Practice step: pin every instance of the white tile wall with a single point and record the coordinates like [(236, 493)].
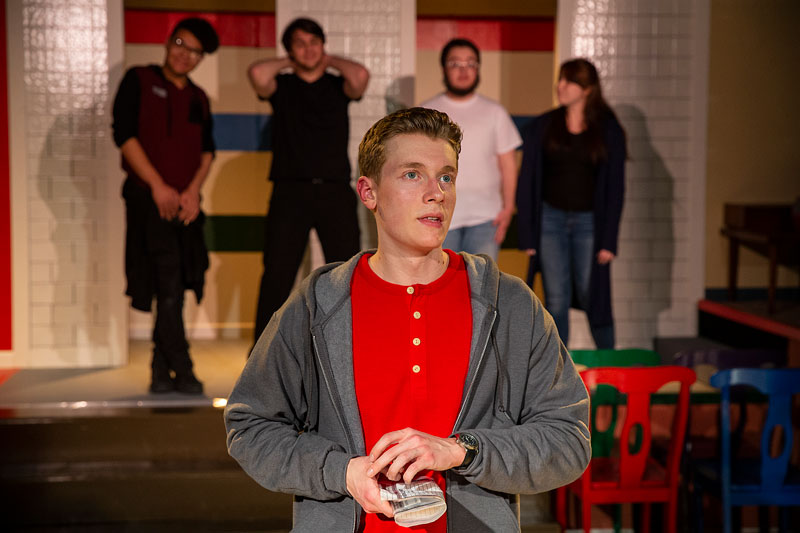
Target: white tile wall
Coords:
[(652, 59), (71, 309)]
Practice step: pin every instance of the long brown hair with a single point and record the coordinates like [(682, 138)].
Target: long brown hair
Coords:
[(595, 113)]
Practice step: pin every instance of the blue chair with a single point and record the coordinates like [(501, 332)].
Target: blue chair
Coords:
[(765, 480), (724, 359), (698, 448)]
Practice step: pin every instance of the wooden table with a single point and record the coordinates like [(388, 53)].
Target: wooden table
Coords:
[(775, 244)]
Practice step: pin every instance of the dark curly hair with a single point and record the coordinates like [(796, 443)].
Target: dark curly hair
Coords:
[(201, 29), (305, 24)]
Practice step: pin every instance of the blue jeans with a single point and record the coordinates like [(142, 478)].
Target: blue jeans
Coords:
[(566, 258), (477, 239)]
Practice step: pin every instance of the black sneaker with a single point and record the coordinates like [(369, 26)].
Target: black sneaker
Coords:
[(161, 385), (188, 384)]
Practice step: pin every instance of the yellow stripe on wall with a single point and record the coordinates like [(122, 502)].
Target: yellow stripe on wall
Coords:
[(237, 184)]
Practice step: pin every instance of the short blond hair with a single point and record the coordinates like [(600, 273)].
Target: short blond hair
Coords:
[(434, 124)]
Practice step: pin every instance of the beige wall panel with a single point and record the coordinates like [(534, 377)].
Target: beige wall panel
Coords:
[(238, 184), (222, 75), (526, 82), (143, 54), (521, 81), (753, 137), (428, 80), (513, 262)]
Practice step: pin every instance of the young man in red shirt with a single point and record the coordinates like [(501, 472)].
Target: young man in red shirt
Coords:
[(410, 361)]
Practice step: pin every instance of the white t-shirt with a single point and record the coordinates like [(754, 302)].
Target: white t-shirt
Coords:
[(488, 132)]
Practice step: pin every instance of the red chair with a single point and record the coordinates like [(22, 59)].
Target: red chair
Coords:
[(631, 474)]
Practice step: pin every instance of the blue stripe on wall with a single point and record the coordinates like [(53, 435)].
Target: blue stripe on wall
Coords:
[(243, 132), (248, 132)]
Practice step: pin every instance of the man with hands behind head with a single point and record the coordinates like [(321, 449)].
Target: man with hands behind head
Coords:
[(310, 167), (409, 361)]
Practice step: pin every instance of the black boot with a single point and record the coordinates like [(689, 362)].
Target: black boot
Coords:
[(187, 383), (162, 382)]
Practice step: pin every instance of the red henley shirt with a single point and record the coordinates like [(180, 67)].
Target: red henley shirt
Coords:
[(410, 357)]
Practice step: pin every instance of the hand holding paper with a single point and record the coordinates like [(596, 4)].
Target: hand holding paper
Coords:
[(363, 487), (413, 451)]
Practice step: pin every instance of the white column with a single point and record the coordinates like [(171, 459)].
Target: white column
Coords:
[(653, 63), (64, 62)]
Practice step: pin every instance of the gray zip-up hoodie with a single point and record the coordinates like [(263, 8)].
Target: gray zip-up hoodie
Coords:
[(293, 424)]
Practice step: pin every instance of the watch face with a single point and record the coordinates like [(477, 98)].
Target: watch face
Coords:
[(469, 440)]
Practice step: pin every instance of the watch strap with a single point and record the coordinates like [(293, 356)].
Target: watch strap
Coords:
[(470, 445)]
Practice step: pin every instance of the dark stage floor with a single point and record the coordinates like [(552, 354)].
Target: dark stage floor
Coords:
[(91, 450)]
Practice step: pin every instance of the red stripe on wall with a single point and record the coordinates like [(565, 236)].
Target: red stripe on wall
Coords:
[(258, 29), (234, 29), (5, 195), (508, 34)]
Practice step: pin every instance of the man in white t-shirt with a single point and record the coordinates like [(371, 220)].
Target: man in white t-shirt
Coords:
[(487, 175)]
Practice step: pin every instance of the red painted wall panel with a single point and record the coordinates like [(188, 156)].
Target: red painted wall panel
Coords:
[(258, 29), (5, 195), (234, 29), (507, 34)]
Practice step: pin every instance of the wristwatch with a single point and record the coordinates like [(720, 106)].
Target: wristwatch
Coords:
[(470, 445)]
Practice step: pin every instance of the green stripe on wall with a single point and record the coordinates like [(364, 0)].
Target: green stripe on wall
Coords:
[(235, 233), (227, 233)]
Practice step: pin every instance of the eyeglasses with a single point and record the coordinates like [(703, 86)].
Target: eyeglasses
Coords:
[(194, 53), (462, 64)]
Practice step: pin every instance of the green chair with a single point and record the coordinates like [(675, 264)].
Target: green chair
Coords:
[(605, 395)]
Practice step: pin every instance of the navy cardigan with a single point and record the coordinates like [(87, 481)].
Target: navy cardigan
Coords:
[(608, 199)]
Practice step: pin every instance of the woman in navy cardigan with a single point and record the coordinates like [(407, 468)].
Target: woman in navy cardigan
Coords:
[(569, 200)]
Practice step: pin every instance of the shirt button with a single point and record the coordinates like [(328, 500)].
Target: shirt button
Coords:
[(417, 314), (416, 369), (410, 290), (416, 341)]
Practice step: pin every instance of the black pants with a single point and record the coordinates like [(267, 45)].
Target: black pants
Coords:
[(294, 209), (171, 349), (155, 256)]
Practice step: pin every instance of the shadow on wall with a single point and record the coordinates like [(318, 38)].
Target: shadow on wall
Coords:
[(643, 277), (399, 92), (70, 309)]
